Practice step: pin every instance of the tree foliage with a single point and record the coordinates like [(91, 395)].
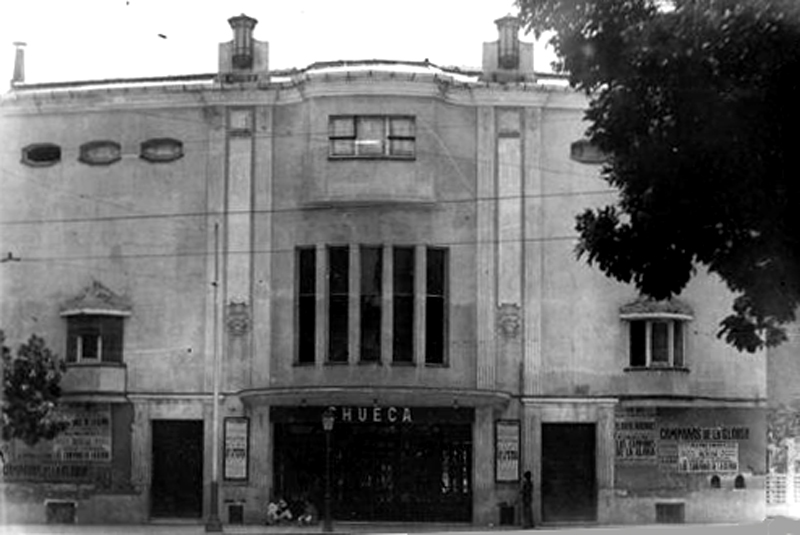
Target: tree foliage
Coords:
[(31, 391), (694, 101)]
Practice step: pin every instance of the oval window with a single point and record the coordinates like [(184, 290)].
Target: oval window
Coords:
[(161, 150), (41, 154), (583, 151), (100, 152)]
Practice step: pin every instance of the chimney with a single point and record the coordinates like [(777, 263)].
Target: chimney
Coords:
[(244, 58), (508, 59), (19, 64)]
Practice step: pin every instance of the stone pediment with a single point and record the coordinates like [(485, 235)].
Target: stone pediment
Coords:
[(645, 307), (97, 299)]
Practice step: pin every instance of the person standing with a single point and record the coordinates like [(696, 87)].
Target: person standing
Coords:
[(526, 497)]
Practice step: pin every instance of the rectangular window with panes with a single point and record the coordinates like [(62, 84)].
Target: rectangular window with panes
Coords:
[(94, 339), (657, 344), (372, 136)]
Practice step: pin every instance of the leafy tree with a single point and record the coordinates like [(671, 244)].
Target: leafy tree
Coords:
[(31, 392), (694, 102)]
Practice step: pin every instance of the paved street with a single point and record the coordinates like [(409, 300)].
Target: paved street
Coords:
[(774, 527)]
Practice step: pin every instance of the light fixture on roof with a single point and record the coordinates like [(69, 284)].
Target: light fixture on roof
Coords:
[(242, 25), (508, 49)]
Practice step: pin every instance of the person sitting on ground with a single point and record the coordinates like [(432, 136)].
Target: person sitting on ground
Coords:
[(309, 515), (284, 514), (272, 512)]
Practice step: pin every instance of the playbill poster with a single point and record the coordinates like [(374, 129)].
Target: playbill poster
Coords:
[(236, 451), (708, 457), (635, 440), (507, 450)]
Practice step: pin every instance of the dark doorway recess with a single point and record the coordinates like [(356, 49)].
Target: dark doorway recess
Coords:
[(569, 481), (419, 473), (177, 483)]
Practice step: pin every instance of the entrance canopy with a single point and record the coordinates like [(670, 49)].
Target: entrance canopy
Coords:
[(343, 395)]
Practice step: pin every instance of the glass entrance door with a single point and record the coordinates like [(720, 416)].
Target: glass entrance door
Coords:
[(380, 472)]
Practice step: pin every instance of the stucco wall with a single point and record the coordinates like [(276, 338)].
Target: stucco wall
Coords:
[(136, 227), (375, 202), (586, 342)]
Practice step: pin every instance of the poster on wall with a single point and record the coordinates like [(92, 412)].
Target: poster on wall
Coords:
[(507, 450), (88, 437), (635, 440), (708, 457), (696, 449), (80, 453), (237, 431)]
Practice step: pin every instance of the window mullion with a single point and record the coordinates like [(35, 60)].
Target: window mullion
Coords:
[(354, 302), (386, 136), (387, 318), (322, 331), (648, 343), (671, 343), (420, 292)]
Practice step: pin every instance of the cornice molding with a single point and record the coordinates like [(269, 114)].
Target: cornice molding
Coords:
[(382, 84)]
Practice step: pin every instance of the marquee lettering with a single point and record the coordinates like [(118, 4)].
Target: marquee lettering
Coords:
[(375, 415)]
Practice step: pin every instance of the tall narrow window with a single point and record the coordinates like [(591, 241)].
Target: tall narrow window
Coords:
[(435, 306), (660, 343), (403, 304), (677, 344), (338, 303), (638, 343), (371, 289), (306, 305)]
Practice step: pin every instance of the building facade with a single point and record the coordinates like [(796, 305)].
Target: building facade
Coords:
[(390, 243)]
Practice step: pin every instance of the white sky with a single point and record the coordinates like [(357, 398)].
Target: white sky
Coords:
[(97, 39)]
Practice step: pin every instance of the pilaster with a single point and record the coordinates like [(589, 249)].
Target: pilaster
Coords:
[(486, 255), (533, 253), (238, 257), (261, 247), (484, 508)]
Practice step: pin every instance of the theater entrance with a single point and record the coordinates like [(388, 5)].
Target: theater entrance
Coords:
[(387, 463)]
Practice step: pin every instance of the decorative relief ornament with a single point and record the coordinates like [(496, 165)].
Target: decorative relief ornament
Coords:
[(238, 318), (509, 319)]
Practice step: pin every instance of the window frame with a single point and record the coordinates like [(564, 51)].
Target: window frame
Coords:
[(306, 299), (387, 137), (338, 298), (108, 328), (430, 298), (28, 149), (404, 304), (674, 346), (364, 298), (87, 152)]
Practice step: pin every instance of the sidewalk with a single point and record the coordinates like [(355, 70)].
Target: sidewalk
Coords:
[(389, 529), (180, 528)]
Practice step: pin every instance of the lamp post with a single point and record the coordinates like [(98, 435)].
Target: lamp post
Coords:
[(327, 426), (213, 522)]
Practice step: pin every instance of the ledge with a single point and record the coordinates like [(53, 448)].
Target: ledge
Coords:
[(95, 378), (366, 395), (676, 369)]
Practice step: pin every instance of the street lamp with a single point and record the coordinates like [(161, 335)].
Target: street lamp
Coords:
[(327, 426)]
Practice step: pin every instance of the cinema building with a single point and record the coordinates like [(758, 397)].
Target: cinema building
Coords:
[(388, 244)]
